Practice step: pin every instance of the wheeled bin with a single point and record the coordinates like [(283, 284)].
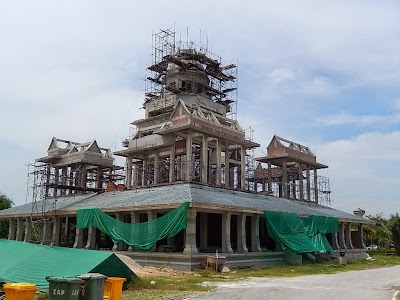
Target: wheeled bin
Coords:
[(64, 288), (93, 288), (113, 288), (20, 291)]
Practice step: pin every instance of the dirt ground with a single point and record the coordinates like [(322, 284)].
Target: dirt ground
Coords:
[(144, 271)]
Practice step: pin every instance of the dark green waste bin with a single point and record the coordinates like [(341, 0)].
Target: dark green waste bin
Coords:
[(64, 288), (93, 289)]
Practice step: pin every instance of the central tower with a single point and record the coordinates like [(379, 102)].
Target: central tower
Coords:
[(189, 132)]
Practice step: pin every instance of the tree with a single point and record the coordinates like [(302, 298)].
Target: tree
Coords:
[(5, 203), (379, 234), (394, 224)]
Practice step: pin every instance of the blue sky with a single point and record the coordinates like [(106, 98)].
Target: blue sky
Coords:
[(323, 73)]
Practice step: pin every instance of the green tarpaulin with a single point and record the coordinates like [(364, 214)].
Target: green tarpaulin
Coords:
[(139, 235), (288, 230), (301, 234), (26, 262), (316, 228)]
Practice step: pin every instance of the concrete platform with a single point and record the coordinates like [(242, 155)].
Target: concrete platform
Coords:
[(185, 262)]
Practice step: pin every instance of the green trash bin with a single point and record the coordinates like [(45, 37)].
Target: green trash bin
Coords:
[(64, 288), (93, 289)]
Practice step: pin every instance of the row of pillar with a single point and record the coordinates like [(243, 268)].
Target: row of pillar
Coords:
[(347, 239), (288, 190), (20, 229), (74, 176), (132, 175), (242, 247), (120, 246)]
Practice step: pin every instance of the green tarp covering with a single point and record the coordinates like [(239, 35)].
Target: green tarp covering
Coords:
[(301, 234), (316, 228), (26, 262), (139, 235), (288, 230)]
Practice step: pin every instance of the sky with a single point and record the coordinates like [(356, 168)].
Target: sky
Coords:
[(325, 74)]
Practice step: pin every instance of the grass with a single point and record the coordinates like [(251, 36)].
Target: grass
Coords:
[(179, 287), (173, 287)]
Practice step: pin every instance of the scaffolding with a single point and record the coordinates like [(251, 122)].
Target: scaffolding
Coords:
[(186, 79), (70, 169), (250, 162), (43, 210), (292, 173), (169, 53)]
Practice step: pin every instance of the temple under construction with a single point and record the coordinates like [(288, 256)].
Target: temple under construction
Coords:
[(189, 147)]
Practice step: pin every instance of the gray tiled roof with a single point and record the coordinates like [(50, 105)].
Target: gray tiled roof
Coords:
[(180, 193)]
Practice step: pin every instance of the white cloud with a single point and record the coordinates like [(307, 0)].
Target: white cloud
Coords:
[(364, 171), (396, 104), (280, 75), (359, 120)]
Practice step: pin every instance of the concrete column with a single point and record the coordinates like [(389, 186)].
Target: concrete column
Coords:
[(120, 245), (91, 240), (157, 167), (218, 156), (71, 179), (210, 179), (11, 229), (255, 237), (335, 241), (63, 179), (135, 176), (20, 229), (143, 183), (45, 232), (83, 176), (349, 244), (301, 188), (269, 177), (241, 234), (203, 231), (294, 194), (178, 163), (308, 184), (178, 166), (99, 181), (134, 219), (55, 241), (78, 238), (227, 165), (242, 168), (56, 181), (361, 232), (204, 160), (341, 238), (315, 185), (152, 215), (172, 163), (189, 156), (28, 229), (285, 179), (190, 233), (66, 232), (129, 172), (226, 233), (48, 175)]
